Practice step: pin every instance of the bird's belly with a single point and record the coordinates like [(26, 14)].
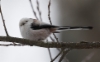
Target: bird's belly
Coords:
[(37, 35)]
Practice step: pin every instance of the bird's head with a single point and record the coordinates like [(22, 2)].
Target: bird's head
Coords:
[(25, 21)]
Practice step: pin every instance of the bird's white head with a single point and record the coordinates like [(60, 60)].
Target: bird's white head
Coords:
[(24, 21)]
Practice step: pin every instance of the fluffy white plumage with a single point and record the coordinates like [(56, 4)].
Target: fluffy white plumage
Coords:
[(28, 33), (35, 30)]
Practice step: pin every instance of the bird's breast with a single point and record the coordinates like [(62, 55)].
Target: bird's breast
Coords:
[(36, 35)]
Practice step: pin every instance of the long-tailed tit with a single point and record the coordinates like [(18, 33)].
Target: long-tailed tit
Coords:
[(35, 30)]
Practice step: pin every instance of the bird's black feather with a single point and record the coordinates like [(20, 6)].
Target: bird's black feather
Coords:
[(75, 27), (36, 27)]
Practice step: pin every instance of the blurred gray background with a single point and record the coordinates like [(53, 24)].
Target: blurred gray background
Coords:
[(81, 13)]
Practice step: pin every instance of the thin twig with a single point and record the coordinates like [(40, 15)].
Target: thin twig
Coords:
[(50, 18), (41, 20), (54, 40), (64, 54), (56, 37), (4, 23), (51, 24), (49, 52), (33, 9), (57, 55), (49, 11), (39, 10)]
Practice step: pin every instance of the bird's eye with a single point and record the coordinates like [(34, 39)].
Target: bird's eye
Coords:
[(26, 21), (22, 24)]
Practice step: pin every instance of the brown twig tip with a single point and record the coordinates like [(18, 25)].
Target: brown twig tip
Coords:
[(49, 4), (39, 11), (33, 9), (49, 12)]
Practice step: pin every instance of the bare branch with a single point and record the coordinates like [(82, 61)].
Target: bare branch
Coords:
[(11, 45), (33, 9), (39, 10), (78, 45)]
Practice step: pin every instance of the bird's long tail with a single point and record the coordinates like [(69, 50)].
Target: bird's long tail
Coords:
[(75, 28)]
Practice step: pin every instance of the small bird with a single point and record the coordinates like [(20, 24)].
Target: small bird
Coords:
[(36, 30)]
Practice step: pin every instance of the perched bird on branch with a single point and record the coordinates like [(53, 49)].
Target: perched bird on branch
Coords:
[(36, 30)]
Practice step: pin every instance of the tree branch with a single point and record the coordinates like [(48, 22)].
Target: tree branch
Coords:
[(11, 45), (78, 45)]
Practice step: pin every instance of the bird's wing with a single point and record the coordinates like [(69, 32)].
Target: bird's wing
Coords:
[(45, 25), (40, 25), (36, 27)]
